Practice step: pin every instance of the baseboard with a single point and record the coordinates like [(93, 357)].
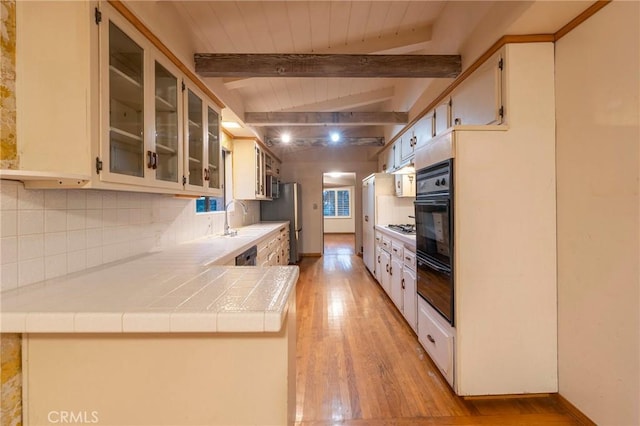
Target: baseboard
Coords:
[(311, 254), (507, 396), (571, 409)]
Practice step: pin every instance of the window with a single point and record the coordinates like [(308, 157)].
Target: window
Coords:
[(213, 204), (336, 203)]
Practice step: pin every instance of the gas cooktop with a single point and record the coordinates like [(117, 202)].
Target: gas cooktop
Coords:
[(405, 228)]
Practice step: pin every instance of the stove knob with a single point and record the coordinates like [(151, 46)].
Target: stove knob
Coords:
[(437, 182), (443, 181)]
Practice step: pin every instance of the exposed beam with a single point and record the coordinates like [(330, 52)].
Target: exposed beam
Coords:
[(312, 65), (323, 118), (403, 42), (348, 102), (307, 142)]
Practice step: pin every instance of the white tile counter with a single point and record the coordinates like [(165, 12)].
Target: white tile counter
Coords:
[(178, 290), (408, 239)]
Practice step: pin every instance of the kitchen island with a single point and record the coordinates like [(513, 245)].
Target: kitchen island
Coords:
[(163, 339)]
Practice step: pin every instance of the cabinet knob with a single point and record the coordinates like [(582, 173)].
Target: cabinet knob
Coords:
[(431, 339)]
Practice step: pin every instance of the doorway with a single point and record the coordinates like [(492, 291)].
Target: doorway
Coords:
[(339, 224)]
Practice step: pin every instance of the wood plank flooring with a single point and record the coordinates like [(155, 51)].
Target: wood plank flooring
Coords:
[(359, 363)]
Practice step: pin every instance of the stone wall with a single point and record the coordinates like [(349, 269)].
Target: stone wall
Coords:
[(8, 149), (10, 350)]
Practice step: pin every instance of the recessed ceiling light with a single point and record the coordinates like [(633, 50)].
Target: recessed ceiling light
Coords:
[(286, 137), (231, 125), (335, 136)]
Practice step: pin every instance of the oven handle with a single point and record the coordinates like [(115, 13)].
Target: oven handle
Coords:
[(431, 202), (433, 266)]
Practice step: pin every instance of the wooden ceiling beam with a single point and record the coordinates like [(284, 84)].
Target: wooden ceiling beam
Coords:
[(313, 65), (347, 102), (325, 142), (324, 118)]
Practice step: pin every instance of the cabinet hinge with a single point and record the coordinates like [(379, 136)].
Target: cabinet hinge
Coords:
[(450, 102), (501, 111), (98, 165), (501, 63), (98, 15), (184, 86)]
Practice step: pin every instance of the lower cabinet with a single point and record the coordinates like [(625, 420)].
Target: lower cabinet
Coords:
[(395, 270), (437, 338), (274, 250), (410, 290)]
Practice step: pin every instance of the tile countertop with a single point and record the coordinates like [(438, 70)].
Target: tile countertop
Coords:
[(178, 290), (409, 239)]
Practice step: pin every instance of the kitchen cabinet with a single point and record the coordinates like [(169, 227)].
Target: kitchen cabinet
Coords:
[(274, 250), (409, 289), (437, 337), (423, 131), (505, 283), (478, 100), (114, 116), (248, 170), (385, 267), (202, 147), (405, 185), (408, 143), (395, 274), (373, 186), (442, 117)]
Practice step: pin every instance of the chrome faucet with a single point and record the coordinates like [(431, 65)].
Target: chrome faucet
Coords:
[(227, 231)]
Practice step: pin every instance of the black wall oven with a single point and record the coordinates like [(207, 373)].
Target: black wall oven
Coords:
[(434, 236)]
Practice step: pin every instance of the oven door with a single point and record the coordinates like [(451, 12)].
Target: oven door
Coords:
[(435, 285), (433, 229)]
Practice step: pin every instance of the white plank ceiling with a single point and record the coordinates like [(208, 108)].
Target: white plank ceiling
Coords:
[(354, 27)]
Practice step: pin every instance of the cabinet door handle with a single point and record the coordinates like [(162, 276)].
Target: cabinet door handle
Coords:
[(366, 218), (403, 283), (391, 271), (378, 259), (431, 339), (407, 258), (150, 162), (387, 266)]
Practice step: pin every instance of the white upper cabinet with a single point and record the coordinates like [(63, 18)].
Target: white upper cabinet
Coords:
[(202, 143), (140, 138), (110, 107), (442, 117), (478, 100), (254, 171)]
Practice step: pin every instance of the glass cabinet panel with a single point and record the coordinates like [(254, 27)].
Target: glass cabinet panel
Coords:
[(214, 149), (195, 117), (258, 171), (126, 100), (166, 124)]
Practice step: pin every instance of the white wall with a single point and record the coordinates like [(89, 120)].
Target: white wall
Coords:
[(307, 167), (342, 225), (597, 89), (49, 233)]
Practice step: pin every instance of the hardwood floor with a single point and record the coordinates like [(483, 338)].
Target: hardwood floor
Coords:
[(359, 363), (339, 244)]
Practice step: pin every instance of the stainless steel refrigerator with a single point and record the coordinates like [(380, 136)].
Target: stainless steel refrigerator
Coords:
[(286, 207)]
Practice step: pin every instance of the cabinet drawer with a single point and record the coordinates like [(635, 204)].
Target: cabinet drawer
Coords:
[(386, 244), (409, 259), (397, 249), (436, 339)]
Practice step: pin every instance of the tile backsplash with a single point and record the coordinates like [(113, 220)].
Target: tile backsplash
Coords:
[(48, 233)]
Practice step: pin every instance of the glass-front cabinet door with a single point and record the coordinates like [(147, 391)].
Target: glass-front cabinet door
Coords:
[(195, 139), (126, 104), (213, 149), (141, 110), (165, 159)]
